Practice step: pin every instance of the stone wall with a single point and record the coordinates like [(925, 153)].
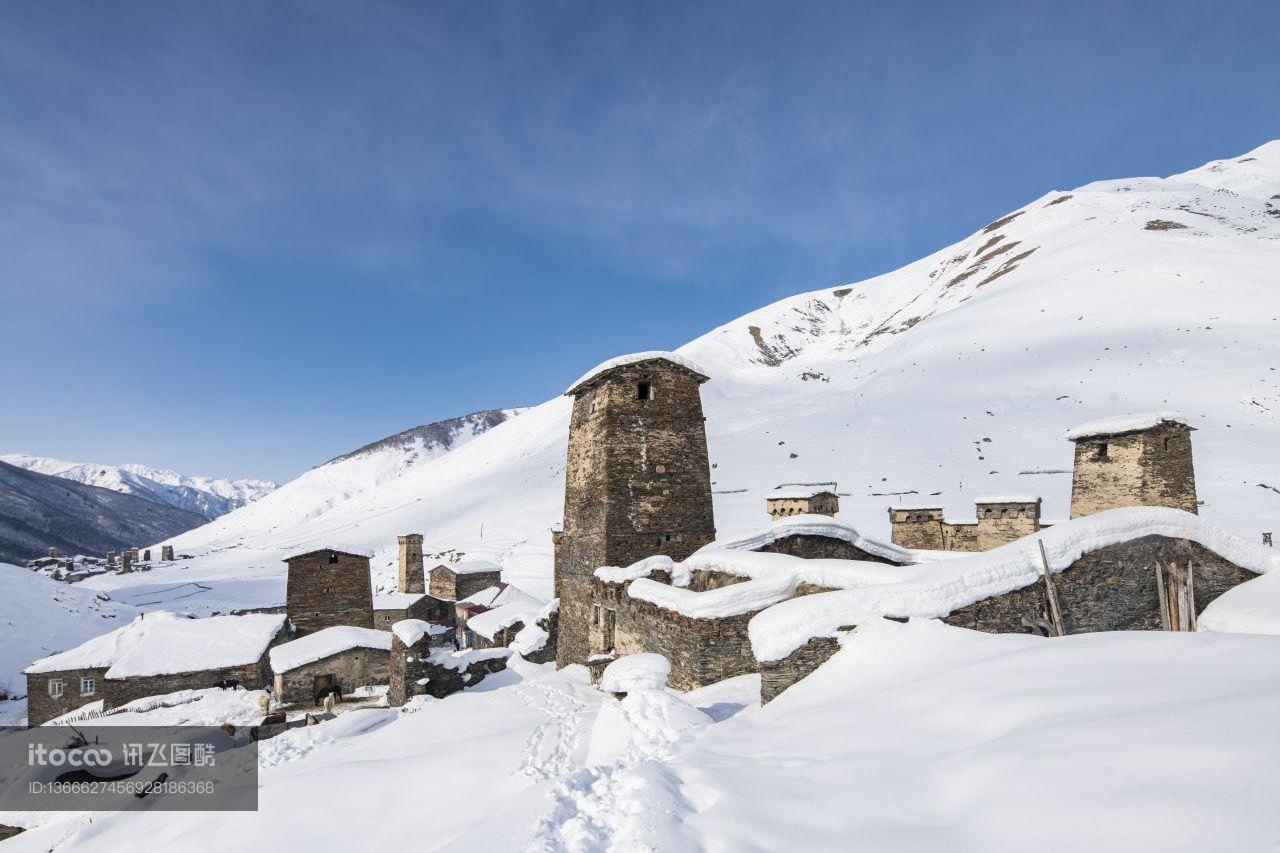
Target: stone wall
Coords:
[(823, 503), (41, 707), (638, 483), (777, 676), (1110, 589), (427, 609), (1000, 523), (409, 573), (921, 529), (327, 588), (960, 536), (821, 547), (701, 651), (407, 666), (1152, 467), (451, 586), (352, 668)]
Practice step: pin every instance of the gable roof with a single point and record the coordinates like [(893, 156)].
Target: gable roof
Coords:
[(326, 642), (600, 370), (352, 552)]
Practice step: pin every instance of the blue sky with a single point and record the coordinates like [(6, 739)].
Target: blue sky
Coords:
[(241, 238)]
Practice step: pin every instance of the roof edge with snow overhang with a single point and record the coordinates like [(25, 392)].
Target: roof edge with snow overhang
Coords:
[(1121, 424), (636, 358)]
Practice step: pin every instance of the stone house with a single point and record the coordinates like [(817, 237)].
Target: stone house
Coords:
[(455, 581), (786, 501), (999, 520), (335, 659), (638, 478), (511, 619), (329, 587), (1133, 460), (390, 608), (417, 669), (155, 654)]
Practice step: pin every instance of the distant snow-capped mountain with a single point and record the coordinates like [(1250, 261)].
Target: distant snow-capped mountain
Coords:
[(954, 376), (205, 496)]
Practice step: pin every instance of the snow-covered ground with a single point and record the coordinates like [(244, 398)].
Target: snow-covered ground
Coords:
[(915, 737), (953, 377)]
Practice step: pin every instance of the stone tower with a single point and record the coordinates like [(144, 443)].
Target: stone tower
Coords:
[(410, 577), (1136, 460), (328, 587), (638, 480)]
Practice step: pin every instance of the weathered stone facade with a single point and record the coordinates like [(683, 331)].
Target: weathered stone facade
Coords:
[(701, 651), (818, 503), (450, 584), (1148, 467), (1110, 589), (777, 676), (327, 588), (920, 528), (821, 547), (409, 574), (42, 707), (346, 670), (638, 482), (426, 608), (1002, 521)]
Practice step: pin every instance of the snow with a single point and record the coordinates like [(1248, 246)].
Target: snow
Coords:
[(644, 671), (934, 590), (912, 737), (460, 660), (721, 603), (510, 607), (1121, 424), (816, 525), (644, 568), (635, 358), (411, 631), (40, 617), (326, 642), (800, 492), (1252, 607), (396, 600), (1006, 499), (531, 638), (163, 643), (470, 567)]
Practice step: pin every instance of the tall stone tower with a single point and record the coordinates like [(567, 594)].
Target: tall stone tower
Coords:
[(328, 587), (638, 480), (1135, 460), (410, 577)]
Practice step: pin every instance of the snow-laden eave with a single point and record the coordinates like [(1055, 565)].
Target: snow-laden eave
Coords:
[(935, 590), (635, 358), (1121, 424), (816, 525)]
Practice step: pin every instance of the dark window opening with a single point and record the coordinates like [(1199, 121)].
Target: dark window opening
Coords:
[(1102, 451), (1168, 442), (644, 391), (333, 558)]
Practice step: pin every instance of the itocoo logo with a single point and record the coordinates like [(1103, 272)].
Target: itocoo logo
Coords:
[(39, 755)]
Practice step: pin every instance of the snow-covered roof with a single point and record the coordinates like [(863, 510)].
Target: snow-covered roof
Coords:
[(817, 525), (1122, 424), (1252, 607), (337, 549), (643, 671), (460, 660), (511, 606), (935, 590), (397, 600), (790, 493), (164, 643), (326, 642), (636, 358), (411, 631), (915, 507), (1007, 499), (470, 567), (493, 596)]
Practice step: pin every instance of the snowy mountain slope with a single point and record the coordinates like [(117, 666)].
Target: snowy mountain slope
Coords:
[(913, 737), (205, 496), (953, 376), (38, 511), (53, 617), (428, 441)]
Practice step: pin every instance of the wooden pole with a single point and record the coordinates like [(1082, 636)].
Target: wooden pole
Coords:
[(1052, 591), (1166, 621), (1191, 596)]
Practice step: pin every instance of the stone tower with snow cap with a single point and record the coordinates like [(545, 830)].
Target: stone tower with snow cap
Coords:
[(638, 479), (1132, 460)]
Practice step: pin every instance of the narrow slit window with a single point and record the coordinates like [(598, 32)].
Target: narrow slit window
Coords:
[(1103, 450), (644, 391)]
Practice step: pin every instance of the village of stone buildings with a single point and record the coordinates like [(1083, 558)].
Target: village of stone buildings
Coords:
[(638, 569)]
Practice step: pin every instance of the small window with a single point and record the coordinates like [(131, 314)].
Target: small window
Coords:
[(1102, 450), (55, 687), (88, 685), (1168, 443), (644, 391), (333, 558)]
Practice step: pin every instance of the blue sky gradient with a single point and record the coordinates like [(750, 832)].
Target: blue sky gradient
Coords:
[(241, 238)]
